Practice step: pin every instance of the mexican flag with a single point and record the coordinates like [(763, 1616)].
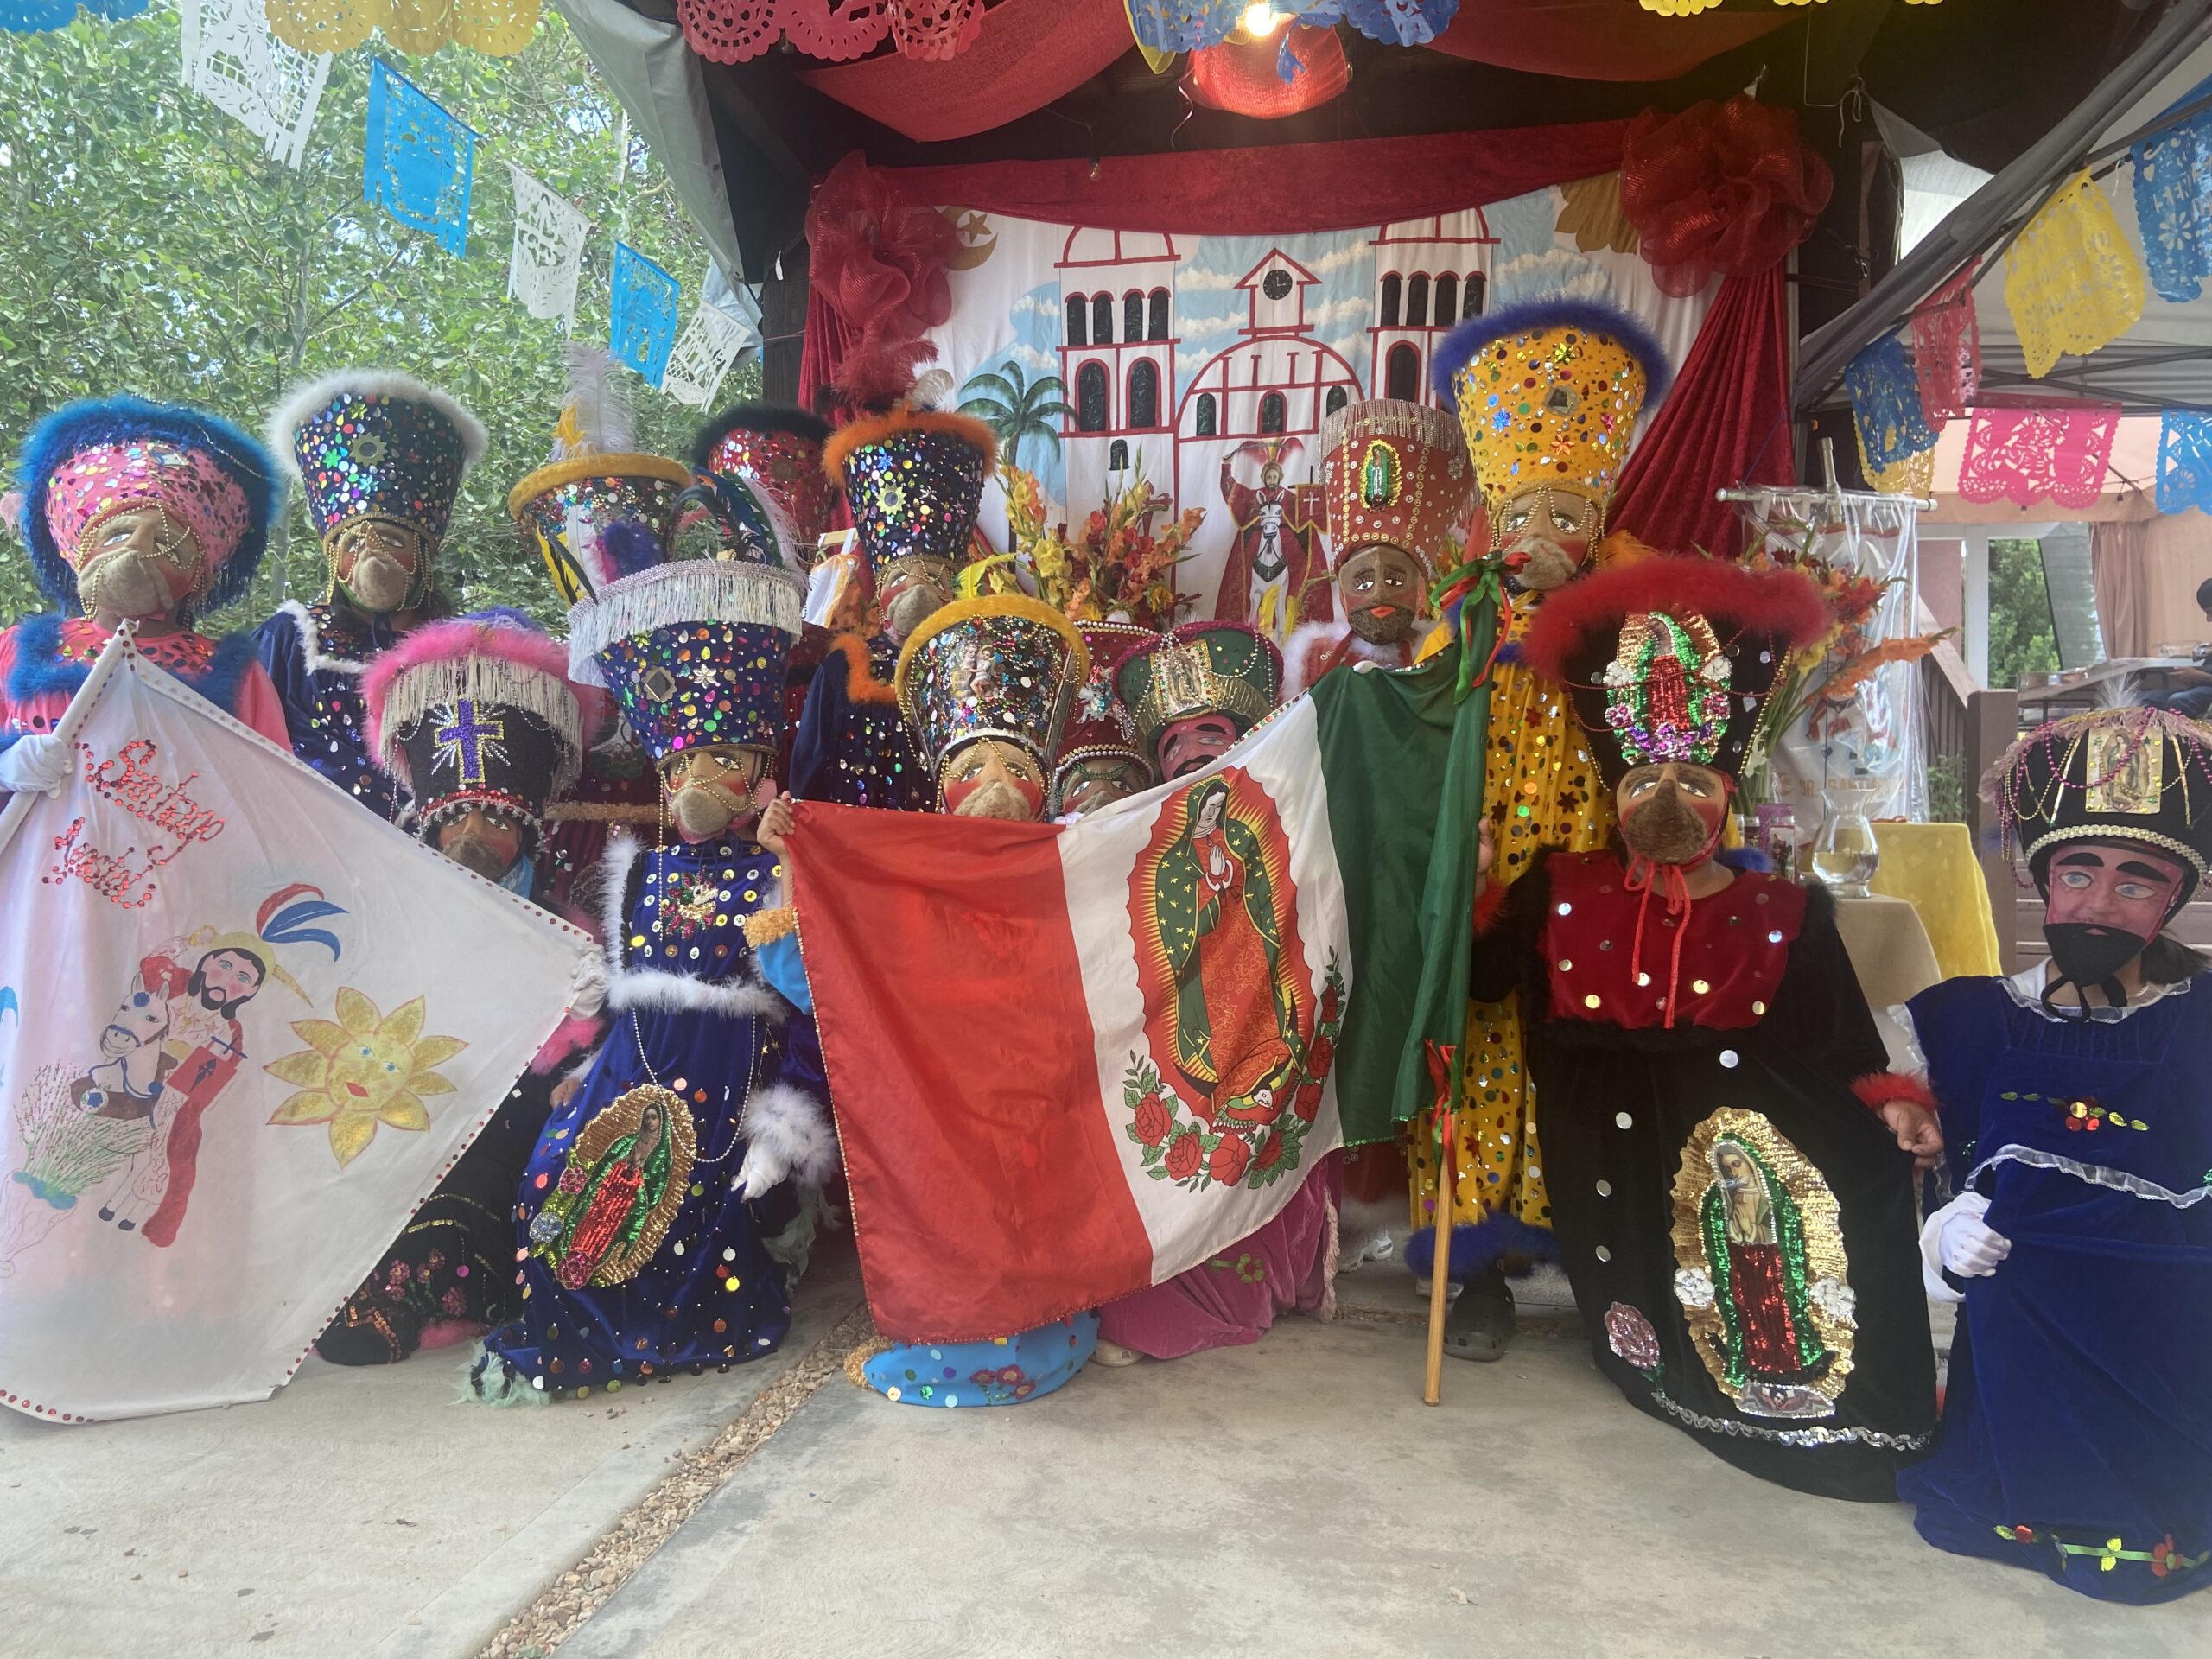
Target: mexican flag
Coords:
[(1072, 1061)]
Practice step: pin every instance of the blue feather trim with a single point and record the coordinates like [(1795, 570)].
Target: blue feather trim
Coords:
[(1594, 316), (39, 671), (121, 420), (1475, 1246)]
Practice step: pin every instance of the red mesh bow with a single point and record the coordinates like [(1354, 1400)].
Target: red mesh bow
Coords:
[(1724, 188), (880, 262)]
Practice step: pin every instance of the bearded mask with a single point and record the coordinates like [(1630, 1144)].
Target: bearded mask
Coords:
[(138, 563), (1380, 587), (990, 779), (708, 790), (2105, 902), (1674, 820)]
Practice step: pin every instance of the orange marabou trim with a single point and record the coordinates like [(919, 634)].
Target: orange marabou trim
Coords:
[(858, 435), (860, 684)]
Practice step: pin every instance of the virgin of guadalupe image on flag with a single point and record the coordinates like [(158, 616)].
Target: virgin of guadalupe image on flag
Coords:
[(251, 1026)]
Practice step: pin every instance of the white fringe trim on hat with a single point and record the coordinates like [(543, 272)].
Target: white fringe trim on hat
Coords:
[(306, 399), (415, 691), (695, 590)]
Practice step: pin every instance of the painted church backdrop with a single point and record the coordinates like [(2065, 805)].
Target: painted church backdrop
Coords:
[(1188, 360)]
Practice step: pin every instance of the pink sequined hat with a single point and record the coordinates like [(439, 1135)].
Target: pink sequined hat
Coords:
[(88, 461)]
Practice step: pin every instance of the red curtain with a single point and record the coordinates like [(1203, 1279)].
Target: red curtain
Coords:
[(1278, 190), (1726, 422)]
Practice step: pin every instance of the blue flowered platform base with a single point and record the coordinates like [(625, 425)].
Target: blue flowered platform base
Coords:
[(1004, 1372)]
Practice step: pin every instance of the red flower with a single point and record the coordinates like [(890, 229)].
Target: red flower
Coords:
[(1331, 1002), (1232, 1155), (2164, 1558), (1271, 1152), (1308, 1102), (1184, 1156), (2025, 1535), (1154, 1122), (1321, 1058)]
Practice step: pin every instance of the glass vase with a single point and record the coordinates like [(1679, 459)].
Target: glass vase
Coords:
[(1845, 855)]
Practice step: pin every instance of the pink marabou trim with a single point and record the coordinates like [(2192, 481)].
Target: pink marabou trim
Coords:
[(443, 642), (574, 1035)]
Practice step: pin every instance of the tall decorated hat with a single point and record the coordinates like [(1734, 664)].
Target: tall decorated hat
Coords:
[(2109, 774), (1200, 668), (913, 480), (377, 445), (1673, 659), (1003, 666), (478, 714), (88, 463), (778, 452), (1397, 473), (694, 650), (596, 477), (1548, 392), (1099, 724)]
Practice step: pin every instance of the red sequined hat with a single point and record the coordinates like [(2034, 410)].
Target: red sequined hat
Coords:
[(1397, 473), (1100, 724), (778, 452)]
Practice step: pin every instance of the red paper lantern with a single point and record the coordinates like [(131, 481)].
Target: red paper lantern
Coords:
[(1244, 77)]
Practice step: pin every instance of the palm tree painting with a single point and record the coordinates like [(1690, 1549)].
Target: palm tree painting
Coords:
[(1017, 407)]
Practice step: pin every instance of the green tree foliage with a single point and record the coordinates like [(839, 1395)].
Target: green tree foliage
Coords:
[(2021, 637), (149, 246)]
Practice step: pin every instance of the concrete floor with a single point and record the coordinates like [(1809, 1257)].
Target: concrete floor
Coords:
[(1296, 1498), (359, 1512), (1291, 1499)]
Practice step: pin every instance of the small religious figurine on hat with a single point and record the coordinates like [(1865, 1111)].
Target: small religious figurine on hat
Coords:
[(913, 479), (2077, 1431), (478, 723), (138, 513), (986, 683), (380, 457), (1731, 1165), (1192, 693), (1398, 489), (1275, 576), (651, 1210), (1547, 394), (1195, 689), (1100, 761), (566, 512)]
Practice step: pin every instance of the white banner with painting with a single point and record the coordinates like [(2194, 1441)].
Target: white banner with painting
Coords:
[(245, 1028), (1205, 365)]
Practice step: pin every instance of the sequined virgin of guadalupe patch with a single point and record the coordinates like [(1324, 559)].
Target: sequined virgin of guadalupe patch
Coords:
[(625, 1180), (1760, 1270), (2127, 770)]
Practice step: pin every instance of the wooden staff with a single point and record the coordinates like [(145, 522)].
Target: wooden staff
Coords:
[(1439, 1276)]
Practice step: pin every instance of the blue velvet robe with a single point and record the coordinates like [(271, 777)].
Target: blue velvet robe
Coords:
[(686, 1008), (857, 750), (316, 655), (2077, 1431)]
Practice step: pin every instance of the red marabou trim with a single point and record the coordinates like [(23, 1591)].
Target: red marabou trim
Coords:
[(1878, 1088), (860, 684), (1778, 602), (1488, 905)]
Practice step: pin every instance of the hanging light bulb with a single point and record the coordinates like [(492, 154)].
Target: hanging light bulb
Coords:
[(1260, 20)]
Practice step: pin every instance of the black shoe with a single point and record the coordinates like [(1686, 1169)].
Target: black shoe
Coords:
[(128, 1226), (106, 1214), (1480, 1323)]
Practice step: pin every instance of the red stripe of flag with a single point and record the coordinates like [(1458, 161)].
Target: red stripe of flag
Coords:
[(988, 1195)]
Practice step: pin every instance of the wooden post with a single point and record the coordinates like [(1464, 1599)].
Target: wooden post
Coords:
[(783, 327), (1439, 1272), (1992, 722)]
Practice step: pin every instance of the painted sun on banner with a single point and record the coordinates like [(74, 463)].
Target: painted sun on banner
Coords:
[(245, 1028)]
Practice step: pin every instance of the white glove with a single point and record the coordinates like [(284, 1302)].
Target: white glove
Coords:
[(1957, 1238), (760, 1171), (35, 762), (588, 985)]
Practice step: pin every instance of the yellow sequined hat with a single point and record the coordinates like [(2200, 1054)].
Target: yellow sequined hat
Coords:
[(1548, 392)]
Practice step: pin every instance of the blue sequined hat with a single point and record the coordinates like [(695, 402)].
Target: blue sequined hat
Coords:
[(693, 651), (1004, 666), (914, 481), (377, 446)]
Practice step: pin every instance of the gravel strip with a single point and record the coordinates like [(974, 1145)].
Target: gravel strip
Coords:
[(581, 1592)]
